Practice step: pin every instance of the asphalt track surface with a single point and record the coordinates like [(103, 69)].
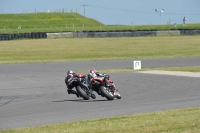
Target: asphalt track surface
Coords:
[(35, 94)]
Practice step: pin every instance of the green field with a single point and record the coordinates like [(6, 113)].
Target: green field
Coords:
[(174, 121), (57, 22), (59, 50)]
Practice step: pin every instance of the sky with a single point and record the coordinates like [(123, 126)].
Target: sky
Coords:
[(112, 12)]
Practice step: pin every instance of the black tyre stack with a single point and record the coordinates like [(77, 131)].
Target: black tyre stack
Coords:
[(7, 37)]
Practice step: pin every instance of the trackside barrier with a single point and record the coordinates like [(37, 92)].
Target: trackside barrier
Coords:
[(167, 32), (80, 34), (114, 34), (189, 32), (60, 35), (4, 37), (97, 34)]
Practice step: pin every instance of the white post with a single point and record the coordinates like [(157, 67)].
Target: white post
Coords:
[(137, 65)]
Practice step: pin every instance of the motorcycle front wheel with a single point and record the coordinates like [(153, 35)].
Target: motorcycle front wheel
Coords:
[(106, 93), (82, 92)]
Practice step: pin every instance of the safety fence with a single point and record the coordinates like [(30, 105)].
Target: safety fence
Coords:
[(93, 34), (23, 36)]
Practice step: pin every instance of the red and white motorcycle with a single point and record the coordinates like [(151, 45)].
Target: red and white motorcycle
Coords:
[(103, 88)]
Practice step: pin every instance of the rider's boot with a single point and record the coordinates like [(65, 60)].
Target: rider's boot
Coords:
[(117, 95), (93, 96), (106, 82), (73, 92)]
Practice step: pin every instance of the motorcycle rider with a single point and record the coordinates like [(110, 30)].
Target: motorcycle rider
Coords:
[(69, 88), (70, 91), (93, 73)]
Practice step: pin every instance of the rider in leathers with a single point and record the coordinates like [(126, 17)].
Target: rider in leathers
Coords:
[(70, 91), (69, 88), (93, 73)]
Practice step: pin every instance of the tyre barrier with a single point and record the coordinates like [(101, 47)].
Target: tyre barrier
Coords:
[(97, 34), (21, 35), (1, 38), (80, 34), (189, 32), (39, 35), (25, 35), (144, 33), (168, 32), (100, 34), (4, 37), (114, 34), (15, 36), (33, 35)]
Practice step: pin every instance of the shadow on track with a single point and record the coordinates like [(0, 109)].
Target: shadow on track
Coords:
[(80, 100)]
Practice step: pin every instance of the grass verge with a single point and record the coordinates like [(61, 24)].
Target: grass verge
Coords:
[(173, 121), (54, 50)]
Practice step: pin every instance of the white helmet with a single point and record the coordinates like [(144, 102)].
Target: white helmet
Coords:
[(70, 72)]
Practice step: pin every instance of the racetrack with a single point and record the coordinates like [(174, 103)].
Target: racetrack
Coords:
[(35, 94)]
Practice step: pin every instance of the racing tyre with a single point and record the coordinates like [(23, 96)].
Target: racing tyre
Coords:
[(82, 92), (107, 94)]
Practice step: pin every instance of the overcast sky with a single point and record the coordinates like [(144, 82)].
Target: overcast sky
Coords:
[(126, 12)]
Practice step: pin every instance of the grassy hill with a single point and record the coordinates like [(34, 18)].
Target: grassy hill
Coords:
[(57, 22), (44, 22)]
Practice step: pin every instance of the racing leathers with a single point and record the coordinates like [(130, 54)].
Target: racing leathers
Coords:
[(69, 87), (97, 74)]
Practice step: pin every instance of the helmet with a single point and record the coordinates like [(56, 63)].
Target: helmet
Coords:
[(70, 72), (93, 71)]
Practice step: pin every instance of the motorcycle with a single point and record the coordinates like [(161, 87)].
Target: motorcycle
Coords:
[(104, 89), (79, 82)]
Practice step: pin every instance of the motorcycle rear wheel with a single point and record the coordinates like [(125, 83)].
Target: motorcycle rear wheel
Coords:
[(82, 93), (107, 94)]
